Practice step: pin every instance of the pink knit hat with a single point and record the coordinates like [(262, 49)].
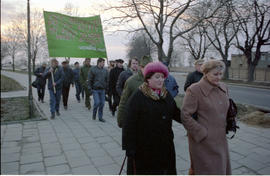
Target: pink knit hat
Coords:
[(154, 67)]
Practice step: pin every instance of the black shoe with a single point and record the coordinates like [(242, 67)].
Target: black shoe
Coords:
[(65, 107), (53, 116), (42, 101), (94, 117), (102, 120), (113, 113), (79, 101), (57, 113), (89, 107), (38, 99)]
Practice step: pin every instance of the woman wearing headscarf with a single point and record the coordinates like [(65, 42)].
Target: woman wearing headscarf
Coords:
[(209, 100), (148, 125)]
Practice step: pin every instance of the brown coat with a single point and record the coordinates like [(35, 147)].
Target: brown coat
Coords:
[(207, 136)]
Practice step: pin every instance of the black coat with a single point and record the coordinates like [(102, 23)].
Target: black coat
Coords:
[(114, 74), (192, 78), (68, 78), (40, 79), (147, 132), (122, 80)]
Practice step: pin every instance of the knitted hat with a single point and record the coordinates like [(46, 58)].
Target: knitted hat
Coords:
[(154, 67), (145, 60)]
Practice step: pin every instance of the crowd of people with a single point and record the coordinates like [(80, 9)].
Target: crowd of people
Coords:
[(143, 97)]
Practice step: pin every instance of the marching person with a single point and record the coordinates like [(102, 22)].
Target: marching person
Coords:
[(148, 125), (130, 87), (113, 77), (84, 81), (194, 76), (109, 97), (133, 65), (76, 76), (207, 135), (55, 76), (68, 80), (41, 82), (98, 80)]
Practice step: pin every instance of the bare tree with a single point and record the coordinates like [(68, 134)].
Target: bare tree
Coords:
[(169, 19), (71, 9), (254, 19), (13, 41), (221, 32), (140, 45), (4, 52)]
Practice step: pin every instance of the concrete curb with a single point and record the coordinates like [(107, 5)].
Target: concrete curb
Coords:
[(248, 85)]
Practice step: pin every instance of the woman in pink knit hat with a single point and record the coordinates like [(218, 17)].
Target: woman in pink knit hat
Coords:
[(147, 128)]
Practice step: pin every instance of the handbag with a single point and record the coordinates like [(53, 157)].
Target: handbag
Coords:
[(231, 118), (34, 84)]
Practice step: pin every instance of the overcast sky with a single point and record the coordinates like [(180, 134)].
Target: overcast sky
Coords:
[(115, 44)]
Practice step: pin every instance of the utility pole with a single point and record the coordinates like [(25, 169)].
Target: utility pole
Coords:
[(30, 94)]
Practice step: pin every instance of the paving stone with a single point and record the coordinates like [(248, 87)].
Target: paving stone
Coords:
[(32, 144), (111, 145), (105, 139), (55, 160), (6, 158), (101, 161), (235, 165), (95, 152), (243, 171), (9, 167), (74, 153), (58, 170), (31, 150), (31, 158), (10, 150), (52, 152), (85, 140), (91, 145), (112, 169), (73, 146), (85, 170), (264, 171), (30, 168), (10, 144), (236, 156), (116, 152), (251, 164), (78, 161)]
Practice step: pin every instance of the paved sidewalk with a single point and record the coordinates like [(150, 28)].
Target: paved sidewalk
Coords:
[(75, 144)]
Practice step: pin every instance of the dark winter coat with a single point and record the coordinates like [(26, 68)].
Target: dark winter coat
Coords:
[(114, 74), (76, 74), (98, 78), (40, 79), (58, 77), (147, 131), (122, 79), (171, 85), (68, 78), (192, 78)]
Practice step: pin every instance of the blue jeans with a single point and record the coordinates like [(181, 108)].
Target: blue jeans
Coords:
[(55, 100), (99, 101), (78, 90)]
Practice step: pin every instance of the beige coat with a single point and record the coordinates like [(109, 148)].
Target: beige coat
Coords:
[(207, 136)]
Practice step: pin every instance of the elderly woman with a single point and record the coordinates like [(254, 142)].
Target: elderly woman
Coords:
[(207, 135), (148, 125)]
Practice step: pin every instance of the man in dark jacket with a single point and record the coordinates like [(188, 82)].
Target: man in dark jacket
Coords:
[(76, 76), (55, 76), (41, 82), (68, 79), (98, 80), (133, 65), (109, 97), (114, 74), (196, 75), (84, 71)]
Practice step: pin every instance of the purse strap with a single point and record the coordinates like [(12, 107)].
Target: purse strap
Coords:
[(122, 165)]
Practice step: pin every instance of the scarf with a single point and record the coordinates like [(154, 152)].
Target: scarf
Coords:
[(154, 94)]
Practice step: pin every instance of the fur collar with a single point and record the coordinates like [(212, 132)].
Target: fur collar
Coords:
[(147, 91)]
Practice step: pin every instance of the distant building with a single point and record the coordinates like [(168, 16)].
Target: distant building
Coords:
[(239, 69)]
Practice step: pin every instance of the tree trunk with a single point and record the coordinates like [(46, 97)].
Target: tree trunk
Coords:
[(251, 70), (34, 65), (13, 63)]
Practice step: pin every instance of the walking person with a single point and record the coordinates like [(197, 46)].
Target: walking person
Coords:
[(55, 76), (148, 126), (84, 81), (113, 77), (76, 76), (194, 76), (133, 66), (207, 135), (131, 85), (41, 82), (171, 84), (98, 83), (109, 97), (68, 80)]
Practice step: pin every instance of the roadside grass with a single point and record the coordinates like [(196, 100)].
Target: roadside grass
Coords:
[(8, 84), (246, 113), (18, 71), (16, 109)]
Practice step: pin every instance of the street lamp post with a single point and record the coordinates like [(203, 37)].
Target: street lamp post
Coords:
[(30, 94)]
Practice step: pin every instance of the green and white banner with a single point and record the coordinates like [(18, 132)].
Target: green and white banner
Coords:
[(78, 37)]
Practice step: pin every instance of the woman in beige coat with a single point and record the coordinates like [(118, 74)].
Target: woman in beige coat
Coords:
[(209, 100)]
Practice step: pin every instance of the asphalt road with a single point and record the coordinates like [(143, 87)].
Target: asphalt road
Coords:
[(241, 94)]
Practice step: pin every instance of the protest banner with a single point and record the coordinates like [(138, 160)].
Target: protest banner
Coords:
[(78, 37)]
